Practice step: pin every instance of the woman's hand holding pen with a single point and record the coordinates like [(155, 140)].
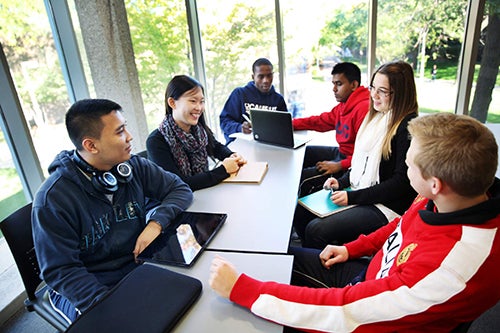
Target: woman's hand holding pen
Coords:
[(331, 184), (337, 197)]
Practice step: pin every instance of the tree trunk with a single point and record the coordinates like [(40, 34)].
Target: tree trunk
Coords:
[(488, 71)]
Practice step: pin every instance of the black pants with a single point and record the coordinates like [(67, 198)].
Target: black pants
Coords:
[(311, 180), (339, 228), (308, 270)]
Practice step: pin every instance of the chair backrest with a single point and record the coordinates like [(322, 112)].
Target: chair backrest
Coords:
[(143, 153), (16, 229)]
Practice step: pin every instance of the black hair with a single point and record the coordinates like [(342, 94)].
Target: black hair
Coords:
[(351, 71), (261, 62), (179, 85), (83, 119)]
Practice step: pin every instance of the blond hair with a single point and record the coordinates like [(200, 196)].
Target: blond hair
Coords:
[(457, 149), (403, 98)]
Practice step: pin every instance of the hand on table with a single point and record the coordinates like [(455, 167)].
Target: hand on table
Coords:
[(239, 159), (231, 164), (223, 276), (150, 232)]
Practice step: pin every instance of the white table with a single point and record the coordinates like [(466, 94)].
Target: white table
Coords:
[(212, 313), (259, 215)]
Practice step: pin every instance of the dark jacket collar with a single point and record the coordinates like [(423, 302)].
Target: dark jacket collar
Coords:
[(477, 214)]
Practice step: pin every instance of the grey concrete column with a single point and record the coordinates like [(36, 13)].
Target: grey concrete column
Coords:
[(106, 36)]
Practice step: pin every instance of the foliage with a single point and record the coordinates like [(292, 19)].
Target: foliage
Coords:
[(414, 23), (403, 26), (8, 186), (23, 29), (29, 47), (348, 30), (490, 62), (160, 39), (247, 31)]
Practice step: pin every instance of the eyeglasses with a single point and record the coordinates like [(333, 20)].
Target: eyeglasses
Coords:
[(380, 91)]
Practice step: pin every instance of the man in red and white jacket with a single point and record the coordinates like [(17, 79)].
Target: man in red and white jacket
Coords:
[(432, 269), (345, 118)]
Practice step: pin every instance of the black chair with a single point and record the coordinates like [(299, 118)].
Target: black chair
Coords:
[(143, 153), (16, 229)]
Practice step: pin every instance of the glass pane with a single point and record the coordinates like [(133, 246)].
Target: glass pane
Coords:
[(234, 35), (160, 38), (11, 198), (34, 66), (314, 43), (11, 192), (428, 35), (485, 94)]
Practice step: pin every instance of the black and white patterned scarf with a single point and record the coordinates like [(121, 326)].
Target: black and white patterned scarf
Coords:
[(189, 149)]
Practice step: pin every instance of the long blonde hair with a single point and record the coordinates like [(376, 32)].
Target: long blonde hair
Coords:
[(403, 98)]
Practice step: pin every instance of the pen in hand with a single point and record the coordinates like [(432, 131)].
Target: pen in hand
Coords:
[(247, 119)]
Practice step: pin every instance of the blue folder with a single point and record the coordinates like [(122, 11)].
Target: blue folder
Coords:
[(320, 204)]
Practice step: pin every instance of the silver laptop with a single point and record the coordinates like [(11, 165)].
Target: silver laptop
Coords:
[(275, 128)]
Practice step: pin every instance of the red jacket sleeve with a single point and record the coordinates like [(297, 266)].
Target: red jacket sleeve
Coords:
[(322, 123)]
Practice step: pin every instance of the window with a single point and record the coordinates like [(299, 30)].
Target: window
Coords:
[(11, 193), (234, 34), (316, 38), (29, 48), (428, 35), (160, 38), (485, 94)]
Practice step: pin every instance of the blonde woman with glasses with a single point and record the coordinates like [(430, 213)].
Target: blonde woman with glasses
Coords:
[(377, 182)]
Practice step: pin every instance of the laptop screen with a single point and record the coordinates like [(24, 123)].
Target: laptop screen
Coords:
[(275, 127), (184, 240)]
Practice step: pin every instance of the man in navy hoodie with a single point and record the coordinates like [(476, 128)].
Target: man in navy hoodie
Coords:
[(259, 94), (89, 216)]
